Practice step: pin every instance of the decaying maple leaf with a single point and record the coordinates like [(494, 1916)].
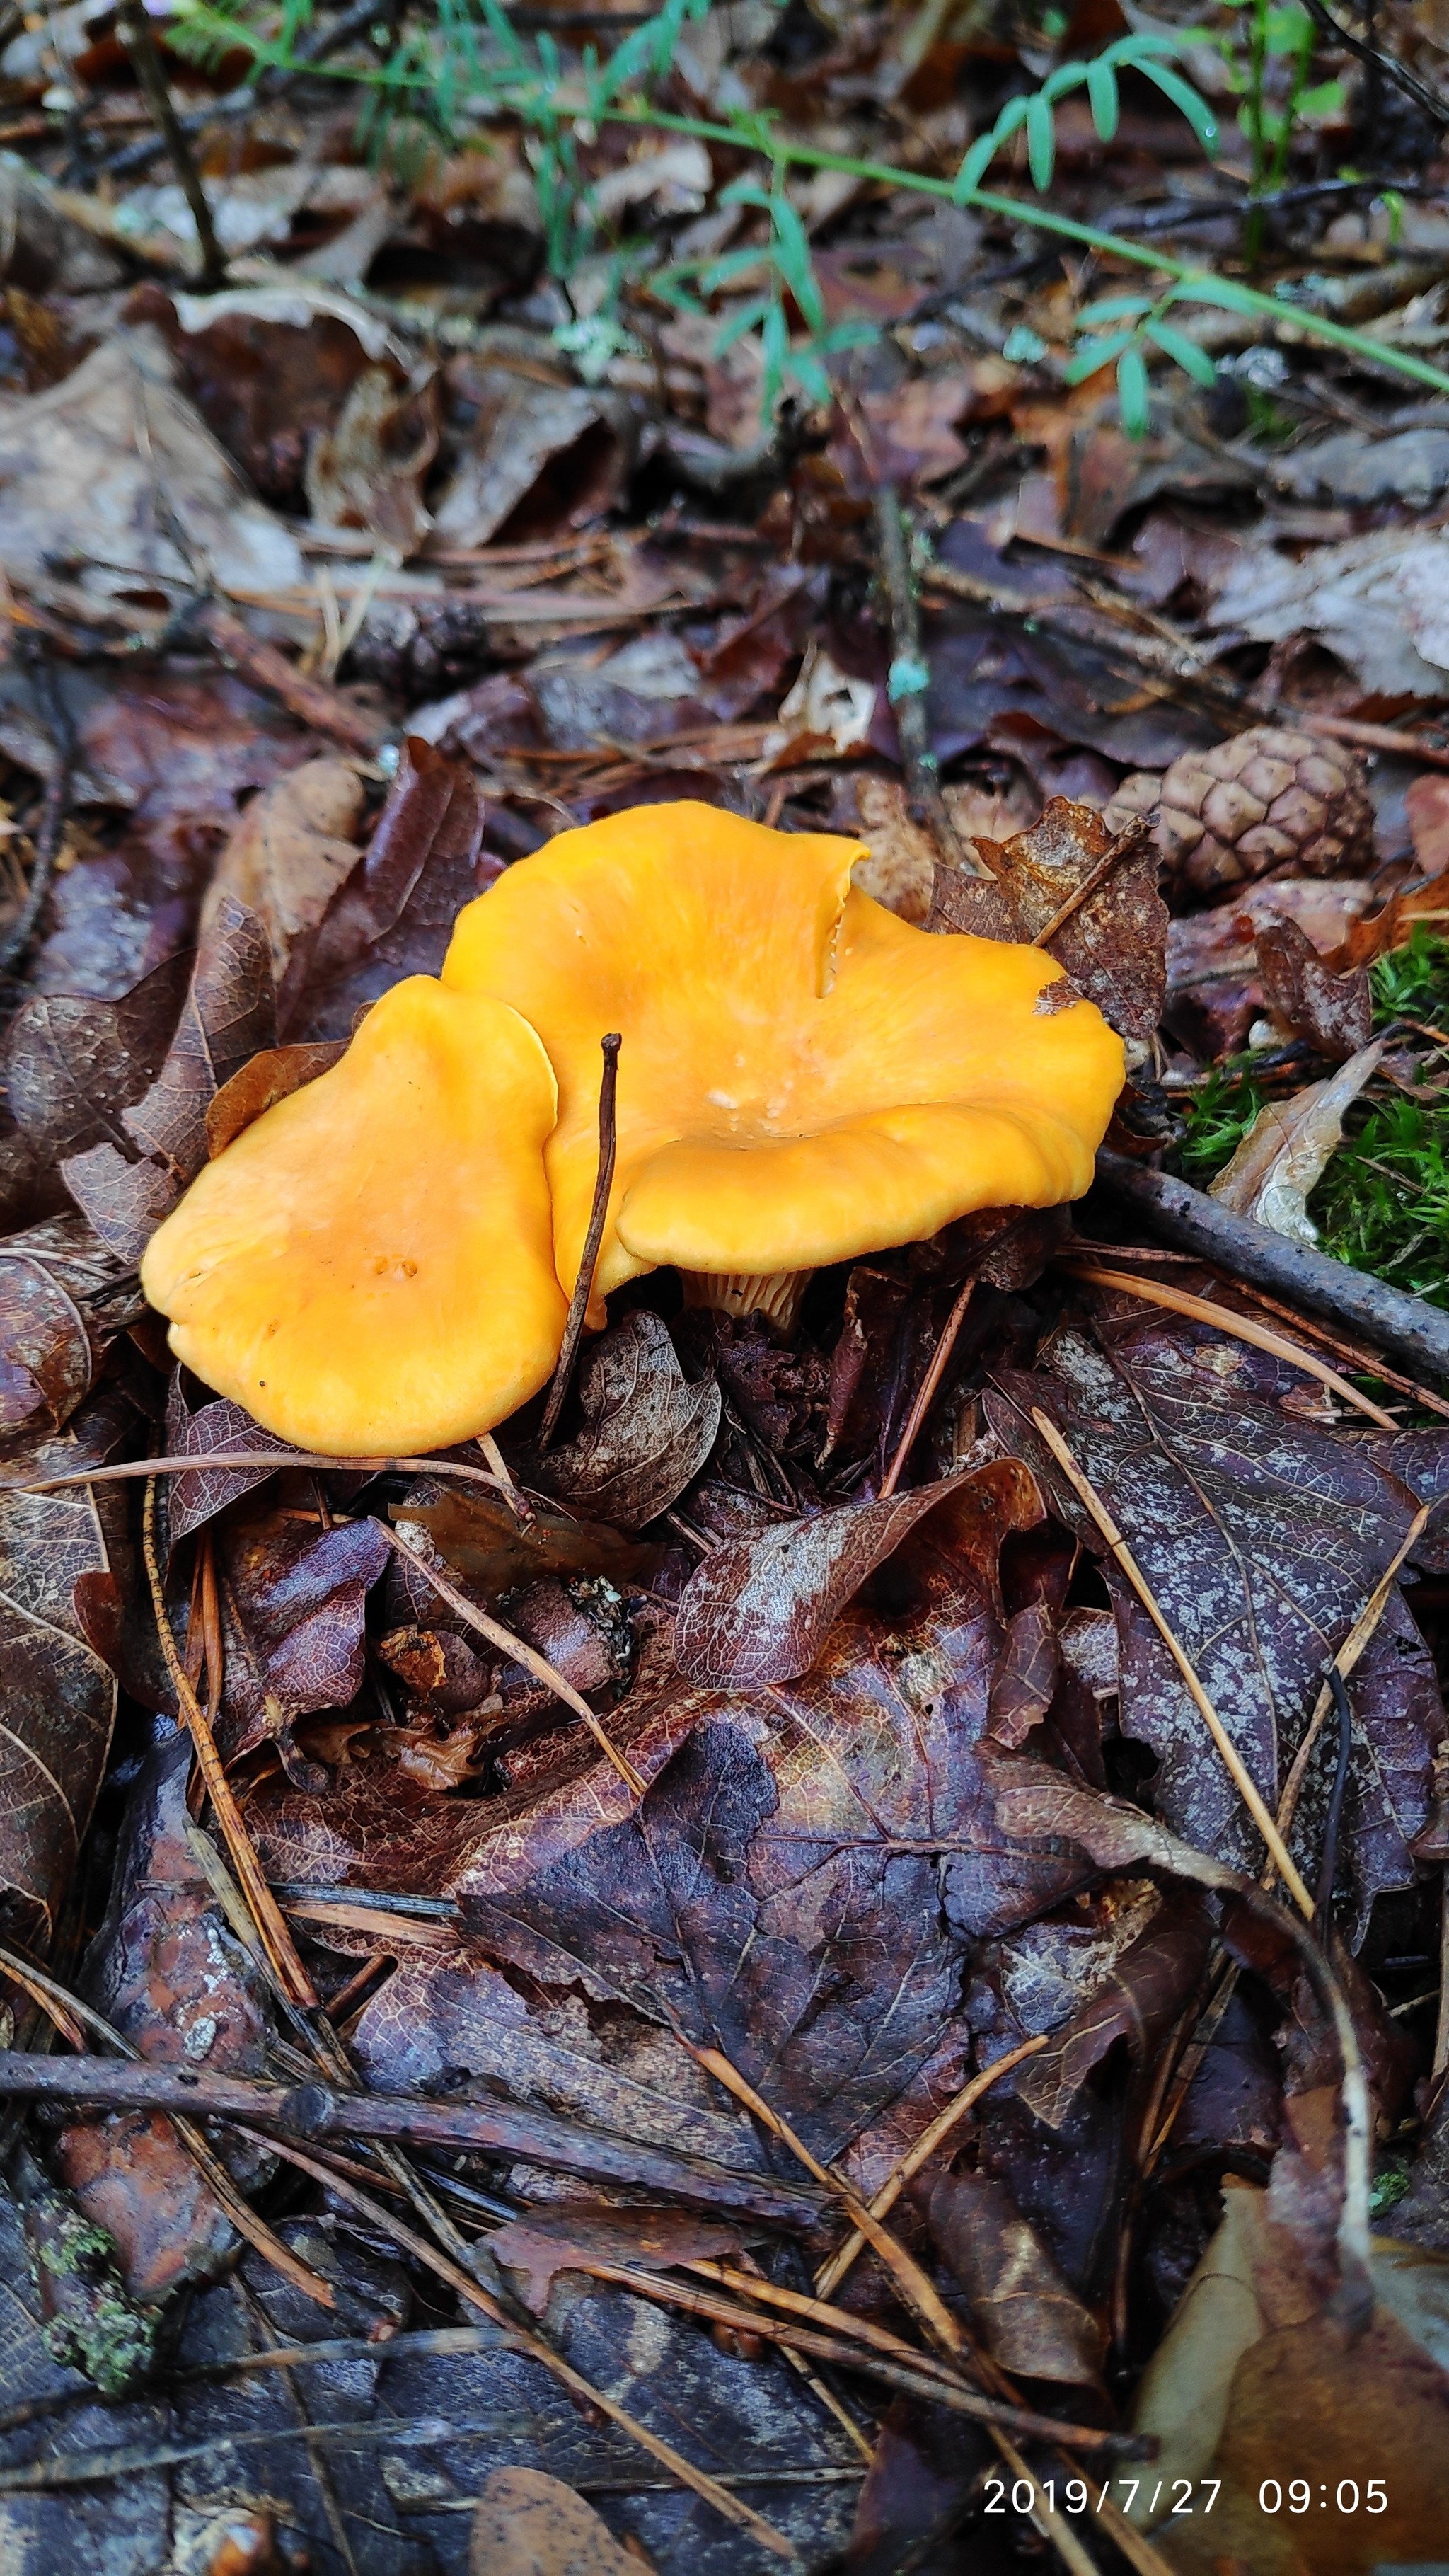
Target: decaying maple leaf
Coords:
[(1113, 940)]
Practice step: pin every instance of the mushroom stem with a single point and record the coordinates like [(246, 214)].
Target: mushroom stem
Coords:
[(776, 1293)]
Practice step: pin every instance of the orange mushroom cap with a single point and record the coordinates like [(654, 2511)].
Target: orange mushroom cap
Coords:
[(369, 1267), (803, 1076)]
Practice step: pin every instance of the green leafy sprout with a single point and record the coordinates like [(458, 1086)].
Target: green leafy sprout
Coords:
[(468, 64)]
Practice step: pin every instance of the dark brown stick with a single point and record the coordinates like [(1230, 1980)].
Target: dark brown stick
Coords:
[(270, 671), (589, 1258), (1376, 737), (1415, 1332), (140, 44), (315, 2111), (925, 1393), (906, 687)]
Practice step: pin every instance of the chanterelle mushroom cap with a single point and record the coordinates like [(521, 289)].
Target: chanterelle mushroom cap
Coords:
[(803, 1076), (369, 1267)]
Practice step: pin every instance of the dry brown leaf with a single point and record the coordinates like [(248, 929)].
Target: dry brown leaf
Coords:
[(114, 472), (1428, 809), (1114, 946), (1255, 2382), (529, 2524), (1334, 1012), (368, 471), (901, 869), (1287, 1149), (520, 427), (290, 852)]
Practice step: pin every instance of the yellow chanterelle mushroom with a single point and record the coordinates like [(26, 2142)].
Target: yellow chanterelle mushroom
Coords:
[(369, 1268), (803, 1076)]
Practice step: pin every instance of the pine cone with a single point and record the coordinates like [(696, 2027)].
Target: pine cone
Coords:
[(1268, 803)]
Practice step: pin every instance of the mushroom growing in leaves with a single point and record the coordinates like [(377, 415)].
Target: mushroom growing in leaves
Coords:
[(803, 1077), (369, 1268)]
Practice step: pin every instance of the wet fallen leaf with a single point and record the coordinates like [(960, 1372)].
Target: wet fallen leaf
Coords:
[(113, 472), (1113, 947), (1288, 1148), (514, 429), (272, 1075), (229, 1013), (479, 1536), (1029, 2317), (292, 849), (169, 1974), (759, 1610), (1427, 802), (72, 1067), (393, 915), (1334, 1012), (293, 1603), (61, 1304), (57, 1694), (1253, 2374), (529, 2524), (367, 470), (646, 1434), (546, 2242), (1376, 603), (1261, 1538)]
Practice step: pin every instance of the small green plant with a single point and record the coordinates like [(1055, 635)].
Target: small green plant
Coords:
[(1268, 123), (1218, 1118), (1412, 983), (1383, 1202), (467, 64)]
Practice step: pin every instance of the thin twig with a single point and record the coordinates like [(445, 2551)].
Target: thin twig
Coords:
[(1179, 1301), (829, 2278), (589, 1257), (140, 44), (527, 2340), (318, 2112), (267, 1914), (1344, 1661), (1127, 845), (55, 808), (1376, 737), (908, 679), (72, 2018), (201, 1462), (918, 2292), (1328, 1863), (1416, 1332), (905, 2369), (519, 1652), (1238, 1771), (926, 1393)]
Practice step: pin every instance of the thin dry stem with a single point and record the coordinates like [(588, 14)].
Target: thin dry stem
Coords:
[(1180, 1301), (1241, 1776), (926, 1393), (267, 1914), (919, 2294), (520, 1652), (1343, 1663), (833, 2273), (1126, 846), (202, 1463)]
